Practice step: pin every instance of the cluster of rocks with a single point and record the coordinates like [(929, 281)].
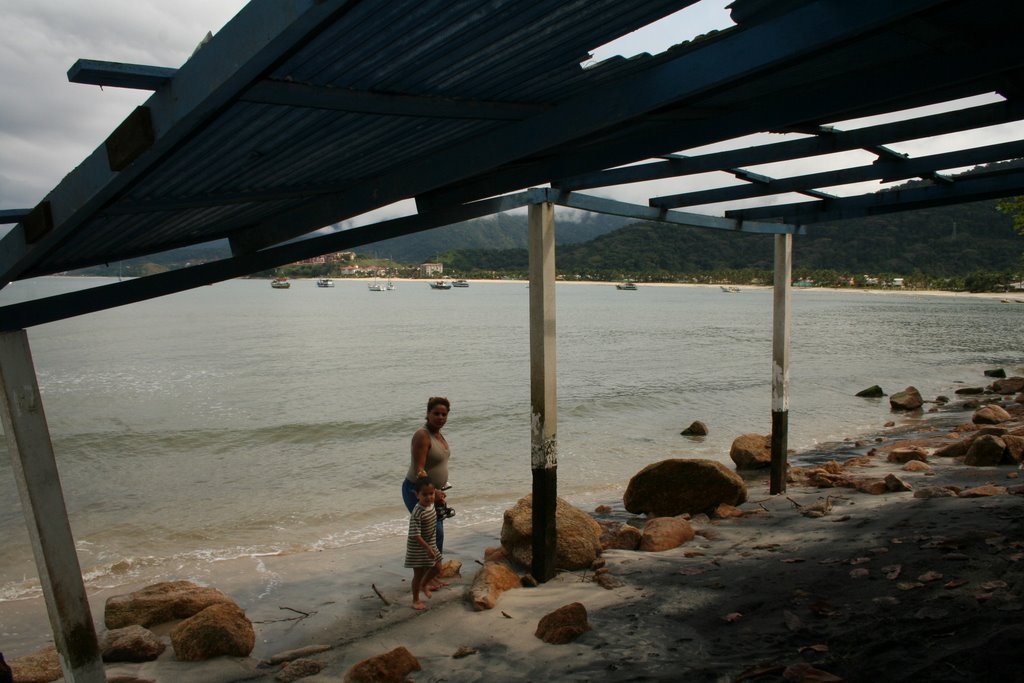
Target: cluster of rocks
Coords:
[(680, 497), (208, 624)]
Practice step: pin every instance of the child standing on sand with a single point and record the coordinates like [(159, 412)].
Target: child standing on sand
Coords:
[(421, 551)]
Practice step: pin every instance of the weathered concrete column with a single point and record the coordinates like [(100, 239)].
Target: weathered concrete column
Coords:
[(781, 323), (543, 411), (42, 501)]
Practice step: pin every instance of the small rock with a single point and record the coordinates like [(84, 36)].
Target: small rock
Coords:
[(990, 414), (902, 455), (665, 533), (131, 644), (871, 392), (895, 484), (908, 399), (391, 667), (984, 491), (696, 428), (916, 466), (464, 651), (563, 625), (934, 492), (300, 668), (997, 372)]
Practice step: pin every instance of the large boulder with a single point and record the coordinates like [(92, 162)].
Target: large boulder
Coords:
[(751, 451), (218, 630), (578, 535), (908, 399), (985, 451), (683, 485), (160, 603)]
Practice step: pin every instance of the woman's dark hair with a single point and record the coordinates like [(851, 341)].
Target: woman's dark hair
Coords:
[(435, 401), (422, 483)]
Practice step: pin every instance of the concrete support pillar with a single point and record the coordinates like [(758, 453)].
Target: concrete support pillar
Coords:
[(781, 323), (42, 500), (543, 411)]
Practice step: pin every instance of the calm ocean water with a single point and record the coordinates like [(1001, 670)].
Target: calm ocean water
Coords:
[(238, 420)]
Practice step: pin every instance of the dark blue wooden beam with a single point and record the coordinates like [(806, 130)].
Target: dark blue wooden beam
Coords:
[(824, 142), (49, 309), (241, 52), (119, 75), (968, 188), (920, 167), (8, 216), (838, 99), (386, 104), (612, 207), (736, 56)]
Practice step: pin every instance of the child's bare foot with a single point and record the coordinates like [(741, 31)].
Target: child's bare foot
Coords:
[(428, 592), (437, 584), (419, 605)]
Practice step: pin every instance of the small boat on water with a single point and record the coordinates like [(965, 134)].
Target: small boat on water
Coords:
[(460, 283), (375, 287), (280, 283), (325, 282), (440, 284), (628, 285), (730, 289)]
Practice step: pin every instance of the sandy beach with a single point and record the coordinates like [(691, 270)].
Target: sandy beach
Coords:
[(882, 587)]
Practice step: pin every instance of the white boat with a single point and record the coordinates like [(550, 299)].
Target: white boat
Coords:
[(375, 287), (731, 289), (325, 282), (627, 285), (440, 284), (390, 286), (280, 283), (460, 283)]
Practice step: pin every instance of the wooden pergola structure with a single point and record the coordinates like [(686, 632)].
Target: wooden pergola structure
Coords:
[(302, 114)]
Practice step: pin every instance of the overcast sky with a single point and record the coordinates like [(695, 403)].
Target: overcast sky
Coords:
[(48, 125)]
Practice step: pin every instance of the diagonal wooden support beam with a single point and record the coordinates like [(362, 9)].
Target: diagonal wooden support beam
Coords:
[(42, 501)]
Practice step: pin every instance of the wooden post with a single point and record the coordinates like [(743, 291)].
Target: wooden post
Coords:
[(543, 411), (781, 322), (42, 502)]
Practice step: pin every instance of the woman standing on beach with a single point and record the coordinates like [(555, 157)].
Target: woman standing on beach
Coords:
[(430, 455)]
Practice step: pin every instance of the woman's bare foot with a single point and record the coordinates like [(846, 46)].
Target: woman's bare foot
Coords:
[(419, 605)]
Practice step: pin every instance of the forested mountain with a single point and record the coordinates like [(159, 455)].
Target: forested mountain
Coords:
[(942, 242), (939, 243), (502, 231)]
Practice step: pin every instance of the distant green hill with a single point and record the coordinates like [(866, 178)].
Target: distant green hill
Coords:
[(940, 243), (501, 231)]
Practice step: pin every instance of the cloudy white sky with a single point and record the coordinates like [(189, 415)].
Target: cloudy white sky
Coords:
[(48, 125)]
